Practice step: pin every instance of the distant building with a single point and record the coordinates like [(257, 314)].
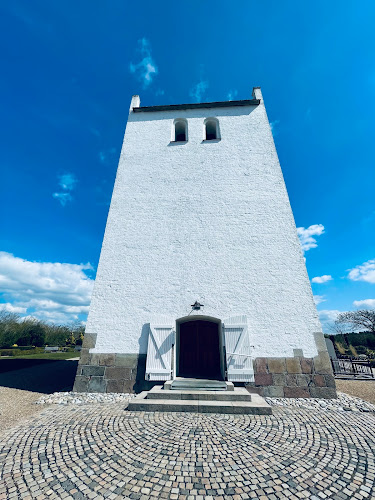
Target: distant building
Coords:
[(201, 273)]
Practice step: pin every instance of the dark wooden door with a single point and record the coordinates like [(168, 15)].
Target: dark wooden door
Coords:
[(199, 350)]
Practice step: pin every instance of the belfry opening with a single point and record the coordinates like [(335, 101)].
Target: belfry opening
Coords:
[(199, 349)]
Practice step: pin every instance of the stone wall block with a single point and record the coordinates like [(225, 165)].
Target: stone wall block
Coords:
[(330, 381), (322, 363), (85, 357), (263, 379), (254, 390), (127, 360), (93, 371), (278, 379), (117, 385), (323, 392), (95, 357), (118, 372), (89, 340), (319, 381), (129, 386), (261, 365), (291, 381), (303, 380), (298, 353), (296, 392), (273, 391), (320, 342), (306, 365), (293, 365), (276, 365), (107, 359), (97, 384), (81, 384)]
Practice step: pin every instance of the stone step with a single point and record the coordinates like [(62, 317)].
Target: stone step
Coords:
[(257, 406), (238, 394), (183, 384)]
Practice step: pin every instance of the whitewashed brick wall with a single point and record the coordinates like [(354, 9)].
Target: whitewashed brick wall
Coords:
[(208, 221)]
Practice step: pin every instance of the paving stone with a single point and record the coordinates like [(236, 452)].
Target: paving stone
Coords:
[(100, 451)]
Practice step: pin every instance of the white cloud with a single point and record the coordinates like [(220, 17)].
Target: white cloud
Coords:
[(67, 183), (273, 126), (198, 90), (363, 272), (318, 299), (146, 69), (8, 307), (232, 94), (107, 156), (63, 198), (327, 317), (322, 279), (52, 291), (364, 304), (306, 236)]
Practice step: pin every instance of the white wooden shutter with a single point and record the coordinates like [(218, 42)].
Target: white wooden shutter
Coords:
[(238, 350), (159, 351)]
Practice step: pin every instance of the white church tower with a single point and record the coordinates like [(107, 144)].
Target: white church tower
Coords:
[(201, 273)]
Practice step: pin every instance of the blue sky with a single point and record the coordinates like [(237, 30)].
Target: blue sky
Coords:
[(68, 72)]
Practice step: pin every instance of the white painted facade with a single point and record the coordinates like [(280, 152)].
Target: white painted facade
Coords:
[(202, 220)]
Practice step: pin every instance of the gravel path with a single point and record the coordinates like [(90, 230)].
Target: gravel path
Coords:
[(16, 405), (20, 389), (364, 389)]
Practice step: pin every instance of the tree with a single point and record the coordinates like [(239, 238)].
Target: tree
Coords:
[(31, 332), (8, 328), (362, 319), (56, 334), (339, 328)]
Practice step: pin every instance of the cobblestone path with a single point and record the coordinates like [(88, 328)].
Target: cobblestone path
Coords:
[(102, 451)]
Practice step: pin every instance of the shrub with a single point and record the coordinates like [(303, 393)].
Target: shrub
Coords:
[(10, 352), (31, 332), (353, 351)]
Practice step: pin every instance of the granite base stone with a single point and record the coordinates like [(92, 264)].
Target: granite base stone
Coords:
[(121, 373), (109, 372), (296, 377)]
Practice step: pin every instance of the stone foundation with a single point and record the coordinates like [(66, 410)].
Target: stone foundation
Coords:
[(110, 372), (296, 377)]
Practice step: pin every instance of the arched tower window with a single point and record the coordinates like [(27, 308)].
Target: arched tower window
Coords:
[(180, 130), (211, 126)]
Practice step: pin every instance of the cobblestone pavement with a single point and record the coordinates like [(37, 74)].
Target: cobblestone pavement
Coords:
[(101, 451)]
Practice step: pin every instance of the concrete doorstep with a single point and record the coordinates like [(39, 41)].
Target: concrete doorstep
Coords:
[(238, 401)]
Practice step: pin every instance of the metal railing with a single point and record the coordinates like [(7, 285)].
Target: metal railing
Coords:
[(352, 368)]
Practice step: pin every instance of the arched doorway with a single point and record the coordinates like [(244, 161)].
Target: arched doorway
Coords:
[(199, 348)]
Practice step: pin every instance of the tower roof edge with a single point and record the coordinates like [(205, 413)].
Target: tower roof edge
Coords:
[(217, 104)]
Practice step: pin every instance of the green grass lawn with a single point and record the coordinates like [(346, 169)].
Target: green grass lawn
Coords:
[(48, 355), (11, 363)]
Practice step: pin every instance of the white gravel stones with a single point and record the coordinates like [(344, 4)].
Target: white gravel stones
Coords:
[(344, 402), (82, 398)]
